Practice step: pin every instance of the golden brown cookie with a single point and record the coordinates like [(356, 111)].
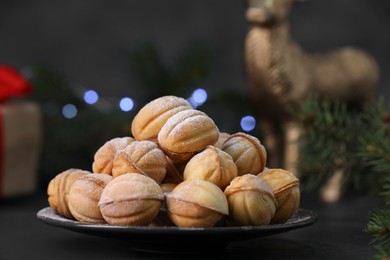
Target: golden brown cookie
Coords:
[(196, 203), (143, 157), (131, 200), (213, 165), (149, 120), (247, 151), (187, 133), (58, 190), (84, 196), (285, 187), (251, 201), (105, 155)]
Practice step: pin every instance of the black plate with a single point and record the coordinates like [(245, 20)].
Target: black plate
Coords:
[(171, 238)]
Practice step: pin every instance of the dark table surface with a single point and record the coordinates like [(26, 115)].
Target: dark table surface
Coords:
[(338, 234)]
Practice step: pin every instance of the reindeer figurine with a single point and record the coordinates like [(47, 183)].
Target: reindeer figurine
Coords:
[(281, 75)]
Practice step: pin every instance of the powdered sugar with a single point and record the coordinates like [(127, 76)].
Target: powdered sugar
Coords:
[(188, 131)]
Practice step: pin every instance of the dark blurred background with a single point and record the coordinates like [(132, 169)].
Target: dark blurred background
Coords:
[(89, 40), (89, 43)]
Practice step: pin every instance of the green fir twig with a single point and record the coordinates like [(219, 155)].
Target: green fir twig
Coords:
[(379, 226), (329, 142), (357, 141)]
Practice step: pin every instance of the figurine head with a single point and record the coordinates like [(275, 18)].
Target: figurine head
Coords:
[(268, 12)]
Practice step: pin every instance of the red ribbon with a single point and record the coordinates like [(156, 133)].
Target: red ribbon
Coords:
[(12, 84)]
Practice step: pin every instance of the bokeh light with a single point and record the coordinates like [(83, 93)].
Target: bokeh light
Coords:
[(69, 111), (248, 123), (91, 97), (198, 97), (126, 104)]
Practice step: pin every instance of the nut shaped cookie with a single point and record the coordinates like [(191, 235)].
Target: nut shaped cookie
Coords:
[(84, 196), (143, 157), (105, 155), (131, 200), (285, 186), (247, 152), (196, 203), (58, 190), (251, 201), (213, 165), (149, 120), (187, 133)]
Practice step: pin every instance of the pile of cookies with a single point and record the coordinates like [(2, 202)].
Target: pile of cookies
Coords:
[(179, 167)]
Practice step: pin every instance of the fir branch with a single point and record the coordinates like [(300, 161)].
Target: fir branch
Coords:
[(379, 226), (375, 148), (357, 141), (328, 142)]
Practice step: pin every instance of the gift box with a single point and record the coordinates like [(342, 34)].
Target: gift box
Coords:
[(19, 148), (20, 134)]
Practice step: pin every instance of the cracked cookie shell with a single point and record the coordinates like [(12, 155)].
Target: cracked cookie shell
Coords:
[(131, 200), (213, 165), (285, 186), (247, 152), (84, 195), (105, 155), (251, 201), (58, 190), (196, 203), (150, 119), (143, 157), (187, 133)]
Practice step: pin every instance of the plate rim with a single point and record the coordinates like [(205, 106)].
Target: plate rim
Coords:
[(47, 214)]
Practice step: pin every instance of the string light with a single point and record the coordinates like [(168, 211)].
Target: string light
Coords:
[(69, 111), (126, 104), (248, 123), (198, 97), (91, 97)]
